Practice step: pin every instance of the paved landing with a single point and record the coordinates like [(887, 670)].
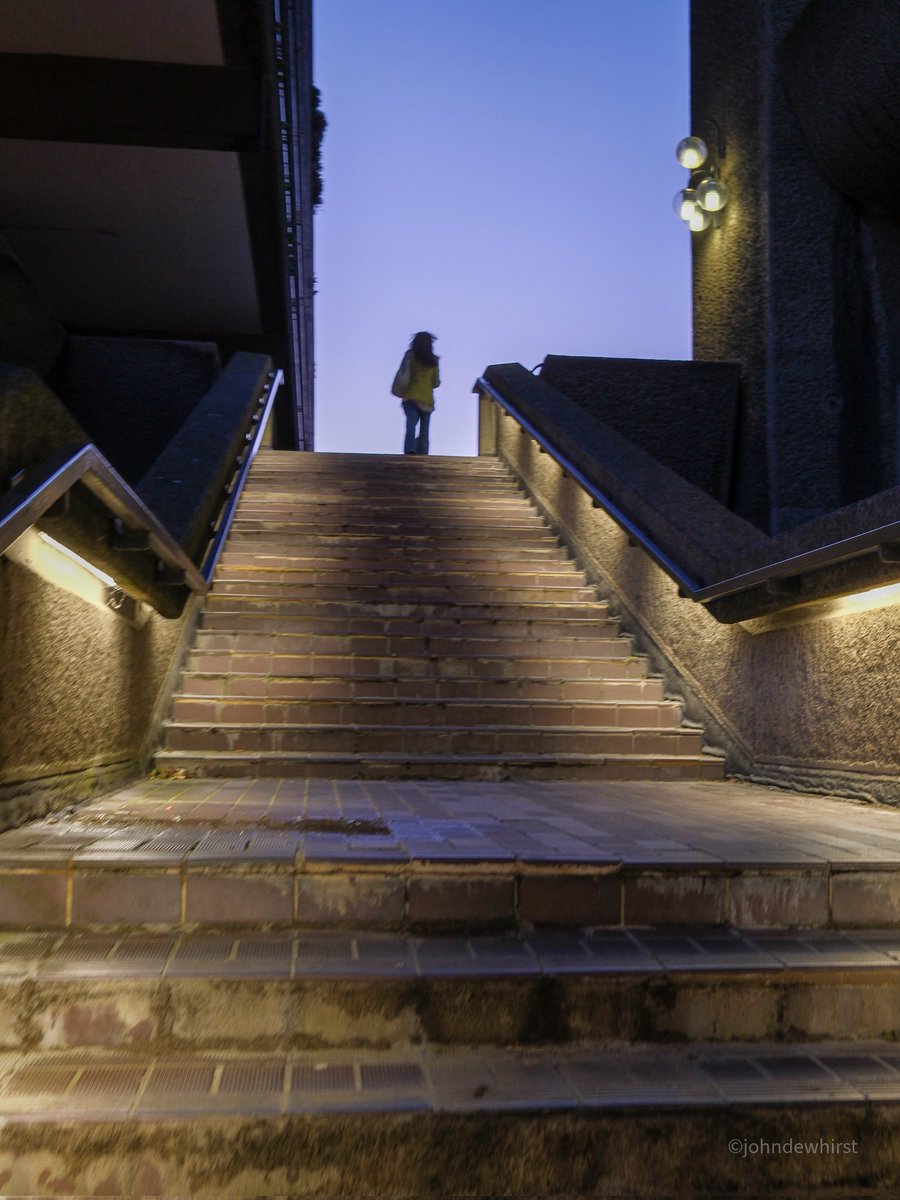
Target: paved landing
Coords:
[(595, 824), (413, 855)]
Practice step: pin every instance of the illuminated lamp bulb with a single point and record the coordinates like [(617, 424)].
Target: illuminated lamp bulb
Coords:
[(691, 152), (699, 219), (712, 194), (684, 203)]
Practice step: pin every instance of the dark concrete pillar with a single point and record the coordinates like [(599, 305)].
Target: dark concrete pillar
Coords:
[(787, 285)]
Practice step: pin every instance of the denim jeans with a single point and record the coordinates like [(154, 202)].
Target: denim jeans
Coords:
[(415, 416)]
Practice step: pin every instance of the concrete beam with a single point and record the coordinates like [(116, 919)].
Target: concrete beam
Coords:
[(50, 97)]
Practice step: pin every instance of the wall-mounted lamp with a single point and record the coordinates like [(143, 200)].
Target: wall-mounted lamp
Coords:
[(700, 203)]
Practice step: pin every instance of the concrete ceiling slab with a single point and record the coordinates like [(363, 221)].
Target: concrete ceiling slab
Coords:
[(131, 238), (177, 31)]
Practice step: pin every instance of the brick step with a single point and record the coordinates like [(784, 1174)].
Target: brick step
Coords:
[(375, 555), (412, 515), (219, 764), (408, 505), (402, 493), (444, 738), (631, 686), (426, 644), (184, 993), (615, 665), (465, 513), (444, 537), (295, 535), (429, 739), (342, 464), (425, 592), (299, 522), (371, 574), (444, 534), (500, 611), (537, 629), (275, 486), (379, 552), (461, 471), (418, 712)]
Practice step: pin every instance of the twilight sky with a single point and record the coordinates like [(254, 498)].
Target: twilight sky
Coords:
[(501, 173)]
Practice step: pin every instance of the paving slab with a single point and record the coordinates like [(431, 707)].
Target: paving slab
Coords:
[(649, 823)]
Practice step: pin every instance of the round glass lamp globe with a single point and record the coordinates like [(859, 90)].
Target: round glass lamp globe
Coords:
[(699, 220), (712, 194), (691, 152), (684, 203)]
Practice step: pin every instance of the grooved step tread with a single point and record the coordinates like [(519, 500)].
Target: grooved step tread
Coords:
[(86, 990), (364, 955), (80, 1086)]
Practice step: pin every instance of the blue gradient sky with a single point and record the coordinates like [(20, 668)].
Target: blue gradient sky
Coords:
[(499, 172)]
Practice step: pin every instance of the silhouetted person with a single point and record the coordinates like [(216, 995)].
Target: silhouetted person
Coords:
[(414, 383)]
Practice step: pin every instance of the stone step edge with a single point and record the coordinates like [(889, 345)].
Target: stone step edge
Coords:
[(578, 621), (544, 761), (279, 1007), (375, 579), (636, 952), (583, 609), (198, 655), (416, 889), (511, 680), (452, 702), (321, 728), (474, 1080), (339, 627)]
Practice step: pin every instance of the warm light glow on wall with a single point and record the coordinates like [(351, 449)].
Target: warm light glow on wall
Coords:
[(826, 610), (879, 597), (61, 567)]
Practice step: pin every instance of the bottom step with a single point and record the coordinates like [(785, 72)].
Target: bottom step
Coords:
[(708, 1121), (561, 768)]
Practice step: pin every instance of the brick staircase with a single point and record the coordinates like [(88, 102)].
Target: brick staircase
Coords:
[(398, 617), (449, 953)]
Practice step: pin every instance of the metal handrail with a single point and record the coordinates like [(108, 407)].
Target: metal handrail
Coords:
[(854, 546), (211, 557), (40, 488)]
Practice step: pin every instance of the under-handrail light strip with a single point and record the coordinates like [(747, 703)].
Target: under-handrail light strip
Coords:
[(784, 568), (41, 487)]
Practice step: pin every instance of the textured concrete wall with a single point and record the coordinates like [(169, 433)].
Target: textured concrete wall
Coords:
[(184, 487), (809, 706), (790, 285), (77, 692), (683, 413), (132, 395)]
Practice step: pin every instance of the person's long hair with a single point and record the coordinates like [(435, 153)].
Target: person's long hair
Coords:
[(422, 347)]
